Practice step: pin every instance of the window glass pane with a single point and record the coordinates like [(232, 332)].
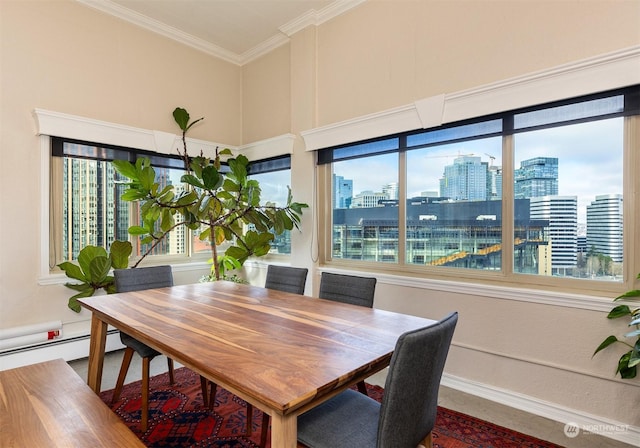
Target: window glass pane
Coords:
[(576, 111), (93, 212), (454, 205), (455, 133), (365, 209), (568, 193), (365, 149), (274, 188)]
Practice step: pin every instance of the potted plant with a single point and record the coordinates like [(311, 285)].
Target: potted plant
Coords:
[(225, 206), (92, 270), (628, 362)]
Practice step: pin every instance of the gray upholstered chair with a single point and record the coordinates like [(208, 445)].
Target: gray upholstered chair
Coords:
[(348, 289), (286, 278), (407, 414), (135, 280)]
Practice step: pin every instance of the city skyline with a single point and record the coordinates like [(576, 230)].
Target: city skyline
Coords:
[(586, 151)]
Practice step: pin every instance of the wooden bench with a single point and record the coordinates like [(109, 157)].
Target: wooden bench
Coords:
[(48, 405)]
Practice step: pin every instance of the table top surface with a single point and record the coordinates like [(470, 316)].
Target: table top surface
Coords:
[(280, 350), (48, 404)]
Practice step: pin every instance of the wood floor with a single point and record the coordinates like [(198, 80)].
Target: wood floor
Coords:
[(499, 414)]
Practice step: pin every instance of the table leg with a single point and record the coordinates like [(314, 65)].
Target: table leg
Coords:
[(97, 345), (284, 431)]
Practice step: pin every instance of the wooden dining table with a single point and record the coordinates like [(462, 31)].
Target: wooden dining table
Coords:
[(283, 353)]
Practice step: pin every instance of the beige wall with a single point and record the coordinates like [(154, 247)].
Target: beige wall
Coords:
[(68, 58)]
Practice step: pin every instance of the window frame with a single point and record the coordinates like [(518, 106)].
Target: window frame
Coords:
[(507, 276)]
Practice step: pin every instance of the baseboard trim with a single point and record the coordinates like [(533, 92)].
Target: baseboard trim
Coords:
[(630, 434)]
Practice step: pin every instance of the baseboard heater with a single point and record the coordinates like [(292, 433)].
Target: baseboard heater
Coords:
[(66, 348)]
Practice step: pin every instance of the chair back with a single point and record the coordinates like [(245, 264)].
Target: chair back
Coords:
[(409, 404), (286, 278), (138, 279), (347, 289)]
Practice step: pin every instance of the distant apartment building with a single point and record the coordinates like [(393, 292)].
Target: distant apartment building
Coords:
[(94, 214), (604, 226), (536, 177), (562, 214), (465, 179)]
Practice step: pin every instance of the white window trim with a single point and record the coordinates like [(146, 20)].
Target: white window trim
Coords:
[(50, 123), (597, 74)]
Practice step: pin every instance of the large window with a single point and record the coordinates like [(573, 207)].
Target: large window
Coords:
[(86, 208), (537, 191)]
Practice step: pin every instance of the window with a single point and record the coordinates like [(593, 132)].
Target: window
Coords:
[(436, 200), (274, 176), (85, 205)]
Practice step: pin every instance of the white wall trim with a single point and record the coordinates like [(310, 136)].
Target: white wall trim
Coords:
[(600, 73), (272, 147), (542, 297), (630, 435)]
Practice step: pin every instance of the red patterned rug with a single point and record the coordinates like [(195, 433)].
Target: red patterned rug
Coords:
[(179, 419)]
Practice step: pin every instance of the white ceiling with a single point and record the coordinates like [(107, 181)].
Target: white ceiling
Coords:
[(235, 30)]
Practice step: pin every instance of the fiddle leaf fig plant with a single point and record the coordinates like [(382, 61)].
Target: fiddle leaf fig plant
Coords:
[(92, 270), (628, 362), (222, 205)]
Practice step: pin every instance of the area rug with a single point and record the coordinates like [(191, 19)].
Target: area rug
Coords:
[(178, 418)]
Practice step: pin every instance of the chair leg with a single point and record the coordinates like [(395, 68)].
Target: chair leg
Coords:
[(124, 368), (172, 378), (362, 388), (265, 429), (145, 394), (427, 442), (204, 384), (249, 419), (212, 396)]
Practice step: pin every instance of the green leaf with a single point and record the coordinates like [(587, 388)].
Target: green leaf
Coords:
[(606, 343), (167, 220), (119, 253), (629, 294), (626, 371), (137, 230), (211, 178), (181, 116), (73, 271), (147, 177), (619, 311), (133, 195), (99, 269), (191, 180), (87, 255), (125, 168), (73, 303)]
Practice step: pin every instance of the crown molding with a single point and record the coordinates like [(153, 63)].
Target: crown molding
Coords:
[(312, 17), (163, 29)]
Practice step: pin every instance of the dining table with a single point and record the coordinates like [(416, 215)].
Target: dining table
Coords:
[(284, 353)]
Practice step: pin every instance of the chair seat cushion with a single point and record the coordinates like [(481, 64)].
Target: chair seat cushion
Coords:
[(141, 349), (348, 420)]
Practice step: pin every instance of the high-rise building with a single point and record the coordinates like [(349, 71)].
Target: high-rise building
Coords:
[(562, 214), (604, 226), (494, 183), (536, 177), (342, 192), (465, 180), (391, 190)]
